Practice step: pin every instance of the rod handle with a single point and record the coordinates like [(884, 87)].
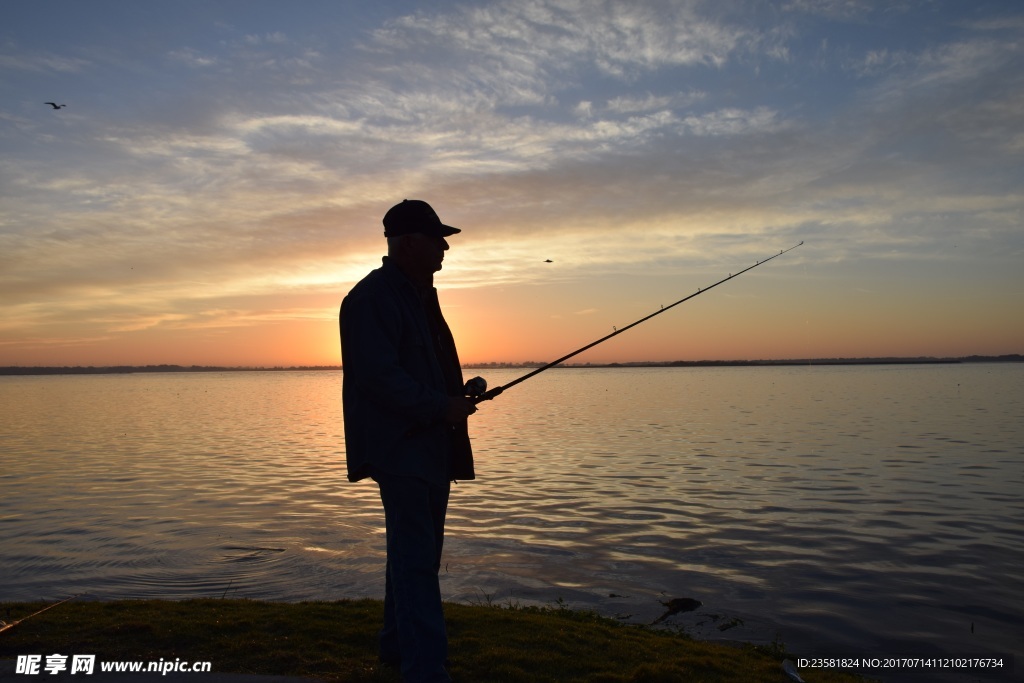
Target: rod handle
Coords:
[(487, 395)]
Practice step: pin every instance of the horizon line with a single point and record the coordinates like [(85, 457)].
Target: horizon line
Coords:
[(500, 365)]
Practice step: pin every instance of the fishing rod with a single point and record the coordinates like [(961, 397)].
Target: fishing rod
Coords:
[(476, 388), (8, 627)]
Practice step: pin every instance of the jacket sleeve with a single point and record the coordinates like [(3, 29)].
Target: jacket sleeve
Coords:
[(388, 362)]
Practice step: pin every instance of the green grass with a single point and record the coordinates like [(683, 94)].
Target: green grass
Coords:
[(337, 641)]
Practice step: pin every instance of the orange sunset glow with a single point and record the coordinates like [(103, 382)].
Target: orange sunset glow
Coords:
[(211, 191)]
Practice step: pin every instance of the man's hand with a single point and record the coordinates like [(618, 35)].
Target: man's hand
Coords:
[(458, 409)]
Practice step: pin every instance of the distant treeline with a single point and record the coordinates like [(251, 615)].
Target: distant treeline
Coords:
[(128, 369)]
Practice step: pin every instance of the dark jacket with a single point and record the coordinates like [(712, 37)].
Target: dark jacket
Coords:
[(394, 392)]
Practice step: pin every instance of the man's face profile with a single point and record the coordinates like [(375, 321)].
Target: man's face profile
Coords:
[(426, 251)]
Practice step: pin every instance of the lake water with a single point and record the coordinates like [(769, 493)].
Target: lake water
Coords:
[(858, 511)]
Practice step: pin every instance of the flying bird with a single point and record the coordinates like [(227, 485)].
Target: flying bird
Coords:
[(548, 261), (55, 105)]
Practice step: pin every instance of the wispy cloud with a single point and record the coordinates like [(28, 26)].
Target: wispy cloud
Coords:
[(243, 157), (836, 9), (193, 58), (42, 62)]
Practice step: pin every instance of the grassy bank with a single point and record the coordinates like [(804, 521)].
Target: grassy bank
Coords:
[(337, 641)]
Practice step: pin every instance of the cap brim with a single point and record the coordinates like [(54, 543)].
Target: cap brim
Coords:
[(447, 230)]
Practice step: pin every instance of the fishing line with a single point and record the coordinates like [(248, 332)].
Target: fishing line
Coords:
[(8, 627), (476, 388)]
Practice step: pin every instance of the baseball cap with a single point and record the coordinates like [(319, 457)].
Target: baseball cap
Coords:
[(414, 215)]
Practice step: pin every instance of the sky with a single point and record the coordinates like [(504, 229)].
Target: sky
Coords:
[(216, 181)]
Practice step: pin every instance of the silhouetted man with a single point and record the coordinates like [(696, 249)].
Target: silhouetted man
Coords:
[(406, 427)]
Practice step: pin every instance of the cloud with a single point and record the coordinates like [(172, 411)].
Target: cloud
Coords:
[(611, 137), (1001, 23), (734, 122), (192, 58), (636, 105), (524, 52), (274, 38), (43, 62), (834, 9), (880, 61), (584, 109)]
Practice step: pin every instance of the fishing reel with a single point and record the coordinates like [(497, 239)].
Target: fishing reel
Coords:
[(476, 390), (475, 387)]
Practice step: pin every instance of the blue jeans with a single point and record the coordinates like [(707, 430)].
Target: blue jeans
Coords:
[(414, 630)]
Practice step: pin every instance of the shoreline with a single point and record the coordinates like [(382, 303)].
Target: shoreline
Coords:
[(337, 641)]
